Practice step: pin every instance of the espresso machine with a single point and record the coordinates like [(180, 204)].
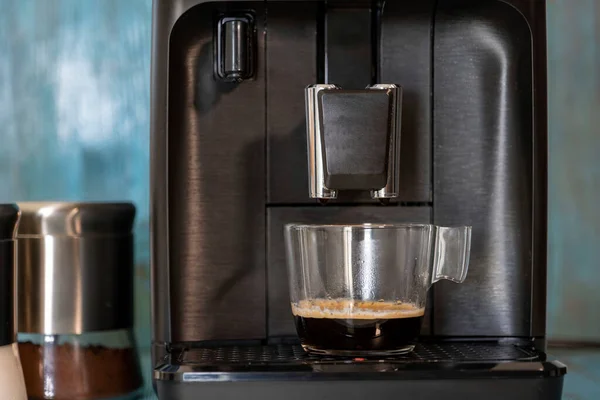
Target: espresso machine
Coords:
[(271, 112)]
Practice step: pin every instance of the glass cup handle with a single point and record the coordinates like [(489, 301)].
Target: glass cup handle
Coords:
[(451, 254)]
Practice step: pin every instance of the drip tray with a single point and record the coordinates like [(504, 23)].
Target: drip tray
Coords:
[(295, 354), (290, 362)]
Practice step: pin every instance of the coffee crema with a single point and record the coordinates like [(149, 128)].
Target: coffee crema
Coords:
[(345, 326)]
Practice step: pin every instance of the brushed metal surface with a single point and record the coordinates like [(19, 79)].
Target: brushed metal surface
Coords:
[(292, 58), (392, 187), (291, 66), (75, 267), (334, 145), (349, 44), (280, 320), (405, 59), (483, 166), (73, 285), (315, 144), (216, 187), (478, 85), (9, 219), (165, 13), (535, 13), (75, 219)]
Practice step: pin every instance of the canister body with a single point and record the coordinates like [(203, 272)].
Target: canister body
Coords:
[(75, 285)]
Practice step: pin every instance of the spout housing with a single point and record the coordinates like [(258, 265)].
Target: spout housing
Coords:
[(353, 139)]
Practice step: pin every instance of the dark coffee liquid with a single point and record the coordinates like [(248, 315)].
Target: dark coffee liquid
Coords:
[(362, 326)]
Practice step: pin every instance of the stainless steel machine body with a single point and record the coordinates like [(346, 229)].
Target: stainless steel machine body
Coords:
[(229, 168)]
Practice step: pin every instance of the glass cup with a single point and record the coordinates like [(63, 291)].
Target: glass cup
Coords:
[(360, 290)]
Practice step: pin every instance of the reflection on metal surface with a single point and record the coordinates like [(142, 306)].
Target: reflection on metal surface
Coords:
[(484, 165), (338, 118), (75, 267), (316, 175), (215, 213), (75, 219)]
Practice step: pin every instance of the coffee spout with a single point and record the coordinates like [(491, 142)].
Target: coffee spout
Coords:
[(353, 139)]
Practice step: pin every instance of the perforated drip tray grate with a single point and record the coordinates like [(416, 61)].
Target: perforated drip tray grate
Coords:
[(444, 360), (294, 354)]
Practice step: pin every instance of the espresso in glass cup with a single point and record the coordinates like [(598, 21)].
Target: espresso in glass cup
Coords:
[(361, 290)]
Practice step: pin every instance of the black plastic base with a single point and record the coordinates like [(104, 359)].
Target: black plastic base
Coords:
[(454, 370), (465, 389)]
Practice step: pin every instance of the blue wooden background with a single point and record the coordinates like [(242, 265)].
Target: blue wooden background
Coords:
[(574, 169), (74, 112), (74, 124)]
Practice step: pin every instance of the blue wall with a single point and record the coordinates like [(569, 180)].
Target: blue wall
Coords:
[(74, 111), (74, 123), (574, 169)]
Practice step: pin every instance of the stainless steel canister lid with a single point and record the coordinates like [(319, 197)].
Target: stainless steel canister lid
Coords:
[(75, 267), (9, 218)]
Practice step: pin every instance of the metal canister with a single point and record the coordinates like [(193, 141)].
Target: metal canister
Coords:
[(75, 300), (12, 385)]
